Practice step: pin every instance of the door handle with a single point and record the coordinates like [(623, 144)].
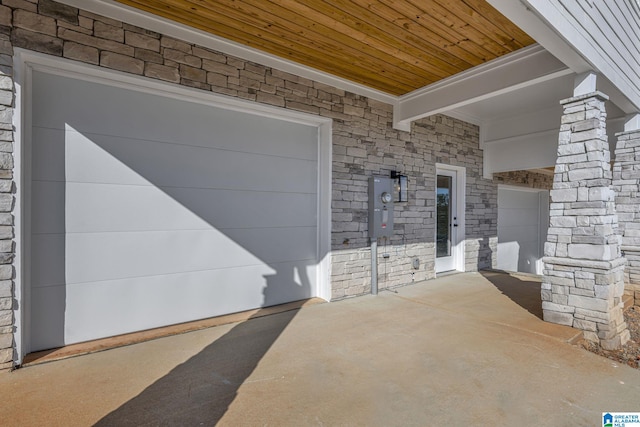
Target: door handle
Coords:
[(455, 225)]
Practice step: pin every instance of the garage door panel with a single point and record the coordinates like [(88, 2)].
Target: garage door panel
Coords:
[(48, 196), (102, 208), (517, 217), (102, 159), (47, 160), (522, 233), (194, 295), (89, 108), (105, 256), (48, 254), (519, 199), (47, 315)]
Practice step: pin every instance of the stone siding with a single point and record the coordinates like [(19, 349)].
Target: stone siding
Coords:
[(364, 142), (7, 201), (525, 178), (626, 183)]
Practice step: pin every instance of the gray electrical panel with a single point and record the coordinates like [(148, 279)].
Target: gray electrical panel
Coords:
[(380, 207)]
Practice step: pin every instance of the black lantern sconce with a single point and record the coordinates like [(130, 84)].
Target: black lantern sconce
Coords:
[(401, 187)]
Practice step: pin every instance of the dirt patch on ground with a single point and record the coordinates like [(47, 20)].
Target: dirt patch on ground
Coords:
[(630, 353)]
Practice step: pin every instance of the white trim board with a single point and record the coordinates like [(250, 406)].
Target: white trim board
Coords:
[(25, 61)]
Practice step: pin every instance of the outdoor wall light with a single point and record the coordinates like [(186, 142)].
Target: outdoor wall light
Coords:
[(401, 191)]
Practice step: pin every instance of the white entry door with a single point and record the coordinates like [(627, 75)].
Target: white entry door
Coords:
[(449, 220)]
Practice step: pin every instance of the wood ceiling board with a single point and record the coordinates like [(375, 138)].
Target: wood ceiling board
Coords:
[(360, 70), (373, 31), (344, 61), (395, 46)]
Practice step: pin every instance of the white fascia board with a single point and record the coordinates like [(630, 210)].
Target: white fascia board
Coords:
[(567, 28), (525, 67), (133, 16), (523, 16), (543, 21)]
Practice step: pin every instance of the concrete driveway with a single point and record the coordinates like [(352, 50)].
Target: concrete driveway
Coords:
[(466, 349)]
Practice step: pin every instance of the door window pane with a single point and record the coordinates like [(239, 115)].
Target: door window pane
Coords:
[(443, 216)]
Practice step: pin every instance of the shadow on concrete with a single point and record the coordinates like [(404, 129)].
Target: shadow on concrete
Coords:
[(200, 390), (522, 290)]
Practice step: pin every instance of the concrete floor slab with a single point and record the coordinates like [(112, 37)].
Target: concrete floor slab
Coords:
[(460, 350)]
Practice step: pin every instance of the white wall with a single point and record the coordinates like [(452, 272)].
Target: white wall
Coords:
[(523, 219)]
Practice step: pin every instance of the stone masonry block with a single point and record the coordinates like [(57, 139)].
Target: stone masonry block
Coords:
[(34, 22), (110, 32), (585, 174), (546, 305), (585, 325), (6, 288), (6, 317), (58, 10), (591, 252), (5, 16), (6, 272), (81, 53), (601, 193), (162, 72), (589, 303), (595, 316), (6, 355), (102, 44), (142, 41), (565, 195), (6, 340), (6, 202), (121, 62), (36, 41), (557, 317), (617, 341)]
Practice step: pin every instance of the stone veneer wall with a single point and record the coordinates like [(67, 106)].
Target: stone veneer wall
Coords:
[(364, 143), (626, 184), (524, 178)]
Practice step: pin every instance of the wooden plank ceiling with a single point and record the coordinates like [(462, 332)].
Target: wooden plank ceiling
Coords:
[(395, 46)]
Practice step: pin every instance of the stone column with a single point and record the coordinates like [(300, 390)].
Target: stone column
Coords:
[(583, 278), (626, 183), (7, 320)]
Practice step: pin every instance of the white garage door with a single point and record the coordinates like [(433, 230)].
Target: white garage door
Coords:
[(148, 211), (523, 219)]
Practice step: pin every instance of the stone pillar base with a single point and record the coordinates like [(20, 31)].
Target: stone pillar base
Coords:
[(586, 295)]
